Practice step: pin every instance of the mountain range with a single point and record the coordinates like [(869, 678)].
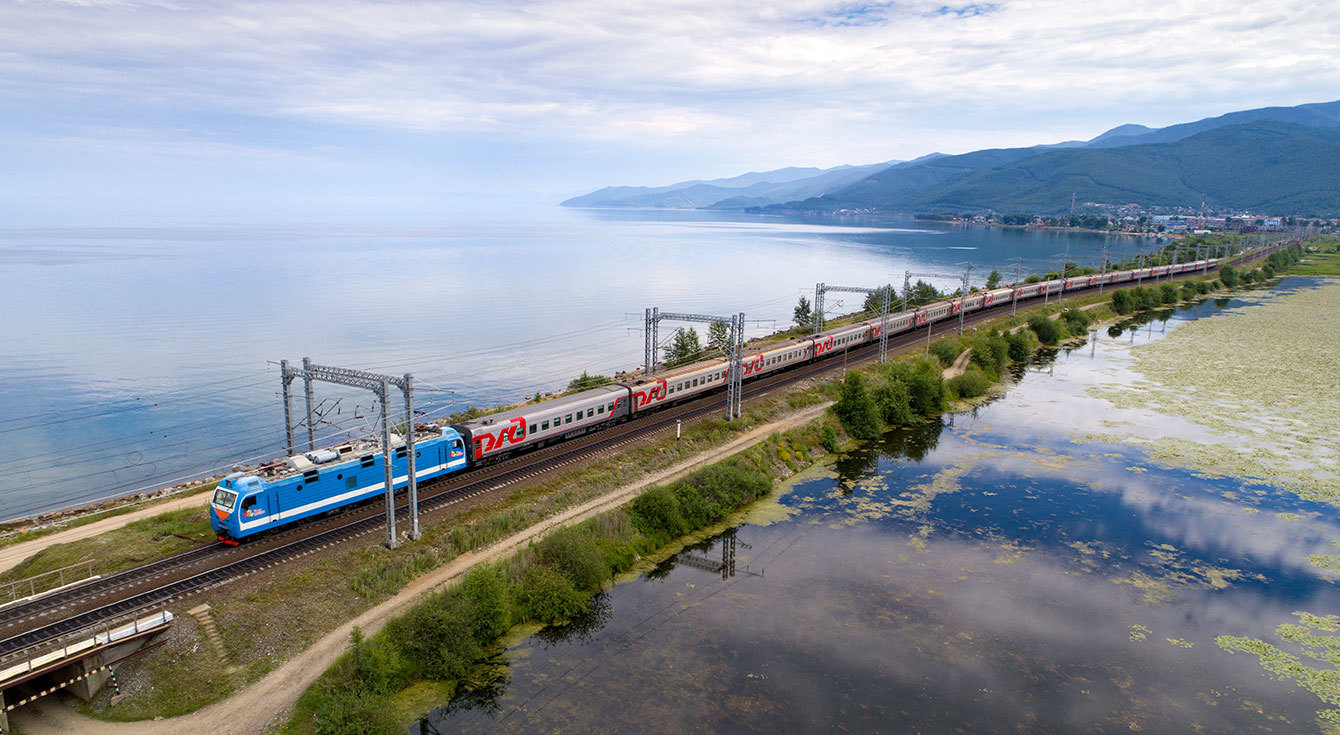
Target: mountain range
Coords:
[(1280, 160)]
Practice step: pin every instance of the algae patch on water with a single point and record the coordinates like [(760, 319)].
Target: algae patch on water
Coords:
[(1308, 639), (1261, 378)]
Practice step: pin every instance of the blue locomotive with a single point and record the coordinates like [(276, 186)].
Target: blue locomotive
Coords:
[(306, 485)]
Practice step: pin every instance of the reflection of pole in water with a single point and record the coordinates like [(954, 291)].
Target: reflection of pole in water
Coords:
[(1093, 346), (726, 566)]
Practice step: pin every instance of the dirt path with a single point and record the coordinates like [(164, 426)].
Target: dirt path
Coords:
[(269, 700), (960, 365), (12, 556)]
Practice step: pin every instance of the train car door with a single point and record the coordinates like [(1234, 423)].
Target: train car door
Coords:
[(255, 507)]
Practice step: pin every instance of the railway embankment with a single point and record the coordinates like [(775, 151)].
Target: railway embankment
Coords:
[(273, 618)]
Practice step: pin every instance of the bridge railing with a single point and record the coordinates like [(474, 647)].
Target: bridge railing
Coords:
[(86, 640), (45, 582)]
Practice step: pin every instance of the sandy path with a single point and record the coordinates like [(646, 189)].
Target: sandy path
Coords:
[(267, 701), (12, 556), (960, 365)]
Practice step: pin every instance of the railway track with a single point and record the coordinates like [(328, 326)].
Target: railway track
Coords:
[(203, 567)]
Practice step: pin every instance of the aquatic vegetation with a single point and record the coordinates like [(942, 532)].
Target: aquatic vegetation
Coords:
[(1306, 637), (1252, 384), (1139, 633)]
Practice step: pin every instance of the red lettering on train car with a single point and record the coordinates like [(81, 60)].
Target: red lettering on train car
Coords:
[(654, 393)]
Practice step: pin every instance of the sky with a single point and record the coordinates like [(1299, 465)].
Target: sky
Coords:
[(121, 112)]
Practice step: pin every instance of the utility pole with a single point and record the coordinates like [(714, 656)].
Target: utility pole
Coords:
[(380, 385), (307, 389), (1018, 269), (963, 298), (1102, 275), (929, 322), (886, 297), (285, 381), (734, 353)]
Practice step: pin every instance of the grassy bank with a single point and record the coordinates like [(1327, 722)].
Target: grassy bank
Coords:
[(28, 529), (136, 543), (374, 687)]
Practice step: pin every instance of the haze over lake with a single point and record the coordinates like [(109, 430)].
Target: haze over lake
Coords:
[(135, 357)]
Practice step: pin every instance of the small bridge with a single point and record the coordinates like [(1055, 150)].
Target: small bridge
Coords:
[(80, 661)]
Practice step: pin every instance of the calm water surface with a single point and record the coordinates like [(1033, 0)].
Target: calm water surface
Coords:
[(130, 358), (997, 573)]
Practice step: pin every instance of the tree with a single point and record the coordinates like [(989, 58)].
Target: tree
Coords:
[(585, 382), (921, 293), (874, 302), (856, 408), (1229, 276), (993, 279), (718, 337), (684, 348), (803, 316)]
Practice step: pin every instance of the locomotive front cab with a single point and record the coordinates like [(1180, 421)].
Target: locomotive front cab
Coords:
[(233, 491)]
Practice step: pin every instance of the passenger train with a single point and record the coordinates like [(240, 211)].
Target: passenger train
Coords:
[(305, 485)]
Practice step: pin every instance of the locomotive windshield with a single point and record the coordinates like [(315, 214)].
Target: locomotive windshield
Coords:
[(225, 498)]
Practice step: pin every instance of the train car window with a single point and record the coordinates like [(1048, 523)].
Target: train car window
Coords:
[(534, 428), (310, 476), (611, 408), (367, 460), (568, 420), (351, 483), (401, 452), (544, 426), (456, 444), (600, 408), (590, 412), (249, 503)]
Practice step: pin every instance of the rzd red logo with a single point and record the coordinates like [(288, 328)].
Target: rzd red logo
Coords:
[(655, 393)]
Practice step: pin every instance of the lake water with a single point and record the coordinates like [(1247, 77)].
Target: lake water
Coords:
[(133, 358), (998, 572)]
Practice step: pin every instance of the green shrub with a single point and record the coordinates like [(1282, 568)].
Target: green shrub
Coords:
[(1021, 345), (437, 635), (1122, 303), (970, 384), (856, 409), (713, 492), (656, 514), (1168, 293), (989, 352), (486, 589), (1076, 321), (923, 382), (1202, 287), (828, 438), (570, 552), (1268, 271), (946, 350), (894, 407), (546, 596), (1046, 330), (1229, 276), (355, 713)]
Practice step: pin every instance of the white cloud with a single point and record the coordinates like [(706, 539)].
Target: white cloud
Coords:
[(835, 81)]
